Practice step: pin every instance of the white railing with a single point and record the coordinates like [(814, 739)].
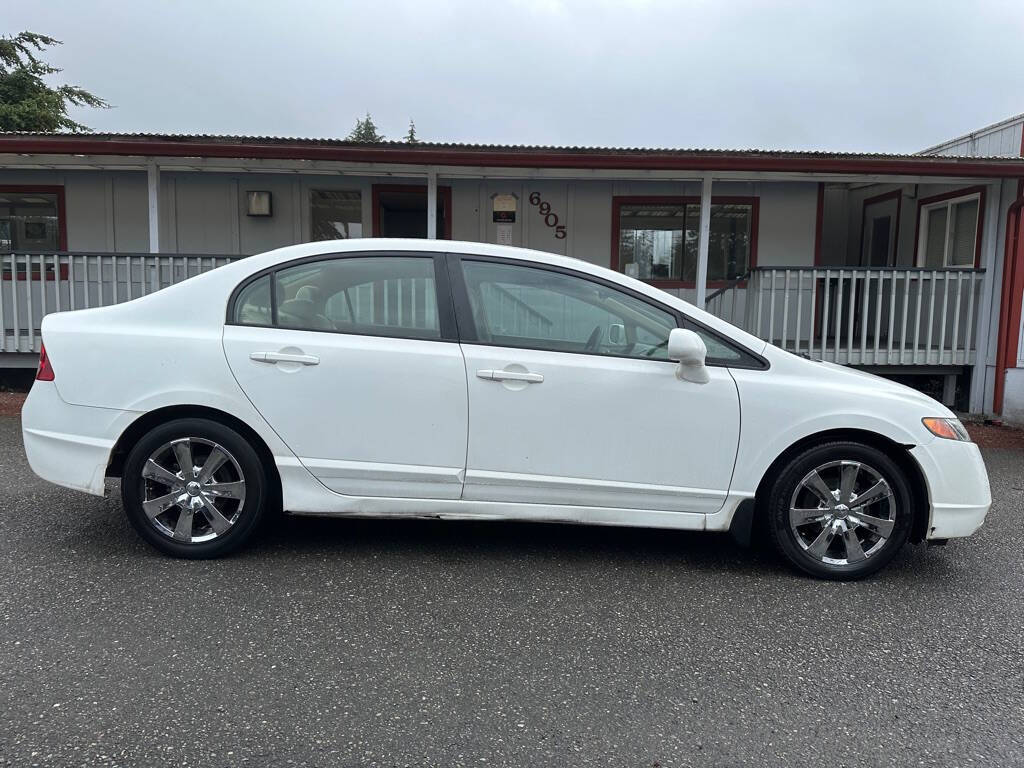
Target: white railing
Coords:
[(32, 285), (860, 315)]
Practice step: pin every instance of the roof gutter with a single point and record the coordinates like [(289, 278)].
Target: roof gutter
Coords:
[(754, 162)]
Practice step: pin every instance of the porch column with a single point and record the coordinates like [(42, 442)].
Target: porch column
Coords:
[(986, 326), (432, 204), (153, 178), (702, 242)]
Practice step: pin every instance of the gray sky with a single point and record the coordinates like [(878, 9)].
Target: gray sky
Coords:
[(887, 76)]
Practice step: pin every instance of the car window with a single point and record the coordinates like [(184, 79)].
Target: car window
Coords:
[(374, 295), (521, 306), (719, 352), (252, 307)]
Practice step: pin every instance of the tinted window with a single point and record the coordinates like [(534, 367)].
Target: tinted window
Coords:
[(252, 307), (521, 306), (391, 296)]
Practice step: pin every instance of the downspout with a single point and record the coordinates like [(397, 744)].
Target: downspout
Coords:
[(1007, 311)]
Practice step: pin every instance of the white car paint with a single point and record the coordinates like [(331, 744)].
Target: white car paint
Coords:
[(602, 440)]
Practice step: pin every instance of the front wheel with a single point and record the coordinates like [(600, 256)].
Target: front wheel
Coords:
[(194, 488), (840, 510)]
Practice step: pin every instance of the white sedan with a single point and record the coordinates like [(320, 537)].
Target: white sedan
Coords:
[(412, 378)]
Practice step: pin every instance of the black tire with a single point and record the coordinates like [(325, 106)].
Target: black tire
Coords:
[(809, 545), (241, 518)]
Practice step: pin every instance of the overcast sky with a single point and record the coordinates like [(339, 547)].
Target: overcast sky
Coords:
[(887, 76)]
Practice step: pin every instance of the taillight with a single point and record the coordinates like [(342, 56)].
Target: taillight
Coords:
[(45, 372)]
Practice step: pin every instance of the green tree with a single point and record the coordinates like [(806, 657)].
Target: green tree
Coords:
[(365, 131), (410, 137), (27, 103)]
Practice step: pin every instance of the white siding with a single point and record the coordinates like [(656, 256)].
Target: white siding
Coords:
[(1000, 140)]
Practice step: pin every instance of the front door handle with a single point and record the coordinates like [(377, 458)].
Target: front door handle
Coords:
[(284, 357), (529, 378)]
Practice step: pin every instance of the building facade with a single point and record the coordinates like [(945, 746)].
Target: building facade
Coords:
[(898, 264)]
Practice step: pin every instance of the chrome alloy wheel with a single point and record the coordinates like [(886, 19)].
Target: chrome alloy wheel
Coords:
[(842, 513), (194, 490)]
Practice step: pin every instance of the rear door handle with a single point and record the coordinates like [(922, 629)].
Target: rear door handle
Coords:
[(284, 357), (530, 378)]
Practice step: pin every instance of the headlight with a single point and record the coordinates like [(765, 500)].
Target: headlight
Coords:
[(950, 429)]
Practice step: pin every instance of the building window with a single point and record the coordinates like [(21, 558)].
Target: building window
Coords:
[(30, 220), (335, 214), (657, 238), (949, 230)]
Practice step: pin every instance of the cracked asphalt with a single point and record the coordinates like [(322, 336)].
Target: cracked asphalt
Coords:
[(366, 643)]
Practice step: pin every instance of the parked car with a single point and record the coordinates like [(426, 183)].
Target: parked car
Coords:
[(411, 378)]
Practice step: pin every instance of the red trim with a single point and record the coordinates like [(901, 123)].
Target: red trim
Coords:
[(753, 202), (819, 222), (445, 194), (897, 195), (522, 157), (45, 189), (1012, 298), (979, 190)]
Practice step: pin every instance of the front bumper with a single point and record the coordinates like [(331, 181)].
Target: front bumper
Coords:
[(66, 444), (957, 487)]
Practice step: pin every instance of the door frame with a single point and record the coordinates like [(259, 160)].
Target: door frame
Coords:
[(1012, 299), (444, 194), (894, 234)]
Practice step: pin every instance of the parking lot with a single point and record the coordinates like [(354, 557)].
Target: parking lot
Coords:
[(352, 643)]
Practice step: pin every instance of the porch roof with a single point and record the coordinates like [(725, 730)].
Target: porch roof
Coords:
[(507, 156)]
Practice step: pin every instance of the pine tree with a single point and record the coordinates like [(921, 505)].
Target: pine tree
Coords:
[(26, 102), (365, 131), (410, 137)]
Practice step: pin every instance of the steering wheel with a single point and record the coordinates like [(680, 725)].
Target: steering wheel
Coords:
[(594, 340)]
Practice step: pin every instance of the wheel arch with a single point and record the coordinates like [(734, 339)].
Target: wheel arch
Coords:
[(147, 421), (898, 452)]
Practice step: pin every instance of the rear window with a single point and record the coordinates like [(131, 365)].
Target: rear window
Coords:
[(252, 307)]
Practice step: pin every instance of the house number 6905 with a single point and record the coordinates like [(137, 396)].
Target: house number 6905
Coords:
[(550, 219)]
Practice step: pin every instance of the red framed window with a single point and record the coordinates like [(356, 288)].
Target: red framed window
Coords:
[(949, 229), (656, 238), (32, 221)]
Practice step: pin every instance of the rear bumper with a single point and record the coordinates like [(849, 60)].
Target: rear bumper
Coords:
[(957, 486), (66, 444)]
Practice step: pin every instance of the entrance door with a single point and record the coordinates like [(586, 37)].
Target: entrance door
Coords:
[(401, 211), (573, 400), (354, 364), (880, 230)]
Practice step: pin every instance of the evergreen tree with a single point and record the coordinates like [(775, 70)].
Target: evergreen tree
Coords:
[(410, 137), (365, 131), (26, 102)]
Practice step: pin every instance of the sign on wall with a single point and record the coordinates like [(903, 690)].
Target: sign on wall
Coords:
[(504, 209)]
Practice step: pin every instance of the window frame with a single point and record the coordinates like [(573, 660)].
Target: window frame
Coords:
[(442, 289), (948, 199), (308, 206), (467, 325), (57, 190), (618, 201)]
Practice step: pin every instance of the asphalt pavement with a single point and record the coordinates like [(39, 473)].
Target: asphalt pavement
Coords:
[(391, 643)]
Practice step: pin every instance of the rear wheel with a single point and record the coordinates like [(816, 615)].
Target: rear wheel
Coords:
[(194, 488), (840, 510)]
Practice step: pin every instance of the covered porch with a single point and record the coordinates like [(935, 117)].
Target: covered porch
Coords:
[(882, 262)]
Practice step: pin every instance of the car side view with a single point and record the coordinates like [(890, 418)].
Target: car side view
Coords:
[(412, 378)]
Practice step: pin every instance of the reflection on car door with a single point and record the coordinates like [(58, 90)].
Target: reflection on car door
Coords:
[(354, 365), (572, 400)]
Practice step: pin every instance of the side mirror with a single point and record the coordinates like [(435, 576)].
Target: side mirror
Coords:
[(689, 350), (616, 334)]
